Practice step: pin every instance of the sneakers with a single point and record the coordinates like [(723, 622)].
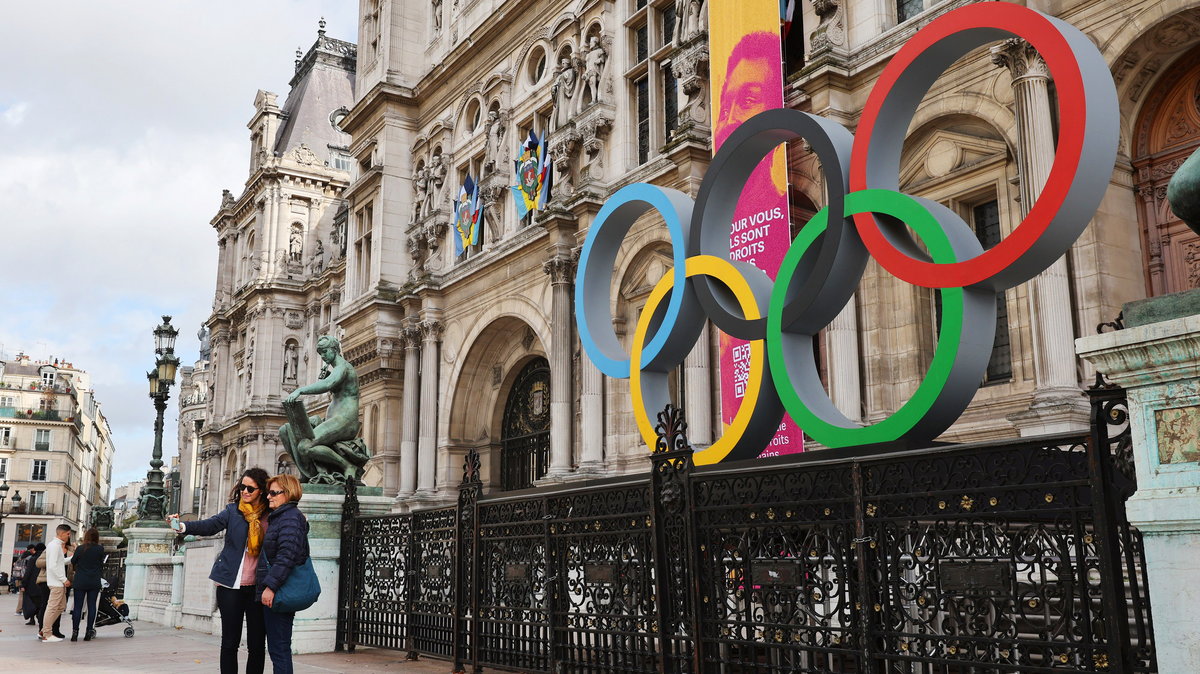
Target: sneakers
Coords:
[(49, 639)]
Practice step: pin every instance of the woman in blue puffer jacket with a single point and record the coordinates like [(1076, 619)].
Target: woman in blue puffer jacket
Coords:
[(235, 571), (285, 548)]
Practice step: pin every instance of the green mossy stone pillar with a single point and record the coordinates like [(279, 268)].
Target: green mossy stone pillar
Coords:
[(315, 629)]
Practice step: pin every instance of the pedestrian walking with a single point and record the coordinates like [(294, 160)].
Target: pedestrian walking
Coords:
[(18, 578), (244, 523), (32, 605), (88, 561), (57, 555), (284, 548)]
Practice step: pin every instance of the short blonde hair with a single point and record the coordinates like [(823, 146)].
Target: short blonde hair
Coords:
[(290, 486)]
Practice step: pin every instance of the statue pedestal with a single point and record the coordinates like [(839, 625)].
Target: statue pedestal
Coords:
[(149, 552), (315, 629), (1158, 364)]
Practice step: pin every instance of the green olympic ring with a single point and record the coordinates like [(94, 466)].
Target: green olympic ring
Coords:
[(810, 406)]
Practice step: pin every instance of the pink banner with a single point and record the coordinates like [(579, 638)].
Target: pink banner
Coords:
[(747, 75)]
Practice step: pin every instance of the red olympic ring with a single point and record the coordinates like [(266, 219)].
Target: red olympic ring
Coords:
[(875, 157)]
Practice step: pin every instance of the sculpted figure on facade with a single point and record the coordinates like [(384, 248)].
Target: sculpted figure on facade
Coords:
[(326, 451), (692, 19), (291, 362), (593, 60), (437, 16), (496, 155), (296, 245), (437, 180), (420, 192), (563, 91)]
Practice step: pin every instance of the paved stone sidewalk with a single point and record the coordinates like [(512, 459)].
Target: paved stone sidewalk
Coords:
[(155, 648)]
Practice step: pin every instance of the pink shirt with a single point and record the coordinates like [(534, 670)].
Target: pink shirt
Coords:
[(250, 562)]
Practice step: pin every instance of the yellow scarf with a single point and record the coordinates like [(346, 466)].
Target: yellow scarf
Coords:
[(252, 512)]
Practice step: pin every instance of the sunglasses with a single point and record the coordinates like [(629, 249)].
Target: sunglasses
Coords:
[(246, 487), (275, 492)]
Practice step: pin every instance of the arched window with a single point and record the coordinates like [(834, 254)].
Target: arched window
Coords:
[(525, 434)]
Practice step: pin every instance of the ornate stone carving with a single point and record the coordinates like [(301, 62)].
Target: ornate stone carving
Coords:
[(411, 337), (431, 329), (831, 31), (691, 19), (434, 232), (437, 182), (594, 60), (561, 269), (304, 155), (566, 81), (690, 67), (1021, 59), (496, 157)]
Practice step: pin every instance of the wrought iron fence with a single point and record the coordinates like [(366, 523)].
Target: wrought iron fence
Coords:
[(113, 571), (997, 557)]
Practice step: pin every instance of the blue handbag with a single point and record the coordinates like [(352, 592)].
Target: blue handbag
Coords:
[(299, 591)]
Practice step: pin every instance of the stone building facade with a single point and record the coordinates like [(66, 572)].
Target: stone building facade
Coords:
[(56, 451), (479, 350), (282, 252)]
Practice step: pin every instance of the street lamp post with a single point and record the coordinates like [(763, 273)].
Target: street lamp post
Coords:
[(152, 504), (16, 500)]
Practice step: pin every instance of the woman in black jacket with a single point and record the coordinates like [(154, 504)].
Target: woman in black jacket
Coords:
[(88, 560), (244, 524), (32, 591), (285, 548)]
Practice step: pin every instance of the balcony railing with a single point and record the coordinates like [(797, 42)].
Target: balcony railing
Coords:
[(35, 415), (41, 446), (34, 386), (33, 509)]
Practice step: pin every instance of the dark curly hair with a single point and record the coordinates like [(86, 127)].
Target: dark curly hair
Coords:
[(260, 477)]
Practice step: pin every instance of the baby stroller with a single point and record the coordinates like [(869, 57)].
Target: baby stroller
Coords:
[(111, 611)]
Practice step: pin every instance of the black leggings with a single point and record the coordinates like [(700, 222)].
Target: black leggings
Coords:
[(237, 606)]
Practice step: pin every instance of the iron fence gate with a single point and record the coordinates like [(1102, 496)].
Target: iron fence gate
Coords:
[(999, 557)]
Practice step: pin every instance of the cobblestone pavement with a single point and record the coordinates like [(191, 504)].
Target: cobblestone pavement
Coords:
[(155, 648)]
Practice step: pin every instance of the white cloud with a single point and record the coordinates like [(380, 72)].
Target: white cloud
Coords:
[(15, 113), (112, 162)]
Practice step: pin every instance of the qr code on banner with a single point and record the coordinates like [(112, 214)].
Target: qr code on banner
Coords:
[(741, 369)]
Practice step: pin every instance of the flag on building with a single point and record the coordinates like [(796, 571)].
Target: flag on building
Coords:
[(468, 215), (534, 176), (787, 9)]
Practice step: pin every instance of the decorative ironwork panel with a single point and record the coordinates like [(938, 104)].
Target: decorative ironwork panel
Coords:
[(113, 571), (431, 577), (525, 434), (604, 616), (380, 598), (515, 586), (777, 570), (1012, 556)]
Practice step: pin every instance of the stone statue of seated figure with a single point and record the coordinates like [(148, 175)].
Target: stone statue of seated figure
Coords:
[(326, 451)]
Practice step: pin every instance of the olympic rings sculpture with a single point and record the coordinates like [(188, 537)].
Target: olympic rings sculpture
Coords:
[(866, 216)]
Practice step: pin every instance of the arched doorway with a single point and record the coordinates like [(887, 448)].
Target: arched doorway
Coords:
[(1167, 133), (525, 433)]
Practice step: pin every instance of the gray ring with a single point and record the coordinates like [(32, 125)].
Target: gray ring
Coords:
[(834, 272)]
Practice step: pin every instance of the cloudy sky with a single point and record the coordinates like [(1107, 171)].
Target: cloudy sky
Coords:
[(120, 124)]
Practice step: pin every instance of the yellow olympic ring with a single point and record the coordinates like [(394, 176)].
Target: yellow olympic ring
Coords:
[(725, 272)]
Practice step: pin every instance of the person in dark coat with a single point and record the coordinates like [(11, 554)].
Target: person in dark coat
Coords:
[(29, 584), (33, 594), (88, 561), (284, 548), (244, 522)]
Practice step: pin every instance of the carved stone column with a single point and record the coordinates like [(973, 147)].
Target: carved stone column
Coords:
[(408, 430), (591, 418), (697, 379), (561, 269), (431, 333), (1057, 403), (841, 341)]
